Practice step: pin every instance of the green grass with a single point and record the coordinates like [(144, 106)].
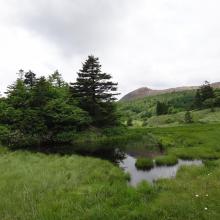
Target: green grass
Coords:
[(202, 116), (143, 108), (194, 194), (167, 160), (144, 163), (195, 141), (37, 186)]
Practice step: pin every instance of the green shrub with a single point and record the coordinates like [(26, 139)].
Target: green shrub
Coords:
[(127, 176), (144, 163), (188, 117), (4, 133), (168, 160), (129, 122)]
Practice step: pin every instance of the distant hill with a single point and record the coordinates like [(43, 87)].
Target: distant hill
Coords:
[(145, 91)]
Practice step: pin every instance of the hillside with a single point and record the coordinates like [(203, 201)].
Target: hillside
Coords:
[(145, 91), (143, 108)]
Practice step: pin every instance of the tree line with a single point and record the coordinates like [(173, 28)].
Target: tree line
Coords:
[(205, 97), (40, 111)]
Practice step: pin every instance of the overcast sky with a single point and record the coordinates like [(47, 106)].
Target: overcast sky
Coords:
[(154, 43)]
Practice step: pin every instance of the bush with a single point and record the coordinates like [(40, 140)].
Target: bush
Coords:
[(4, 134), (144, 163), (129, 122), (188, 117), (168, 160)]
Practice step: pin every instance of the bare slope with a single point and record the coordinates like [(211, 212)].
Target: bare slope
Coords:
[(144, 91)]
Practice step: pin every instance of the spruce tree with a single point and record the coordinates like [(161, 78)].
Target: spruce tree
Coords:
[(162, 108), (56, 79), (96, 92), (30, 79), (207, 91), (202, 94)]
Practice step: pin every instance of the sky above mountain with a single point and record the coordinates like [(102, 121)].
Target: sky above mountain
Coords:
[(154, 43)]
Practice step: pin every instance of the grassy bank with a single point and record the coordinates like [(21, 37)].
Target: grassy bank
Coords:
[(167, 160), (144, 163), (198, 141), (37, 186)]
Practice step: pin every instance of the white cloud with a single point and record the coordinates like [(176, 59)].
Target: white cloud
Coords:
[(160, 44)]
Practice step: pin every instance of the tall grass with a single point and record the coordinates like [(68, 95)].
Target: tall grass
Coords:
[(37, 186)]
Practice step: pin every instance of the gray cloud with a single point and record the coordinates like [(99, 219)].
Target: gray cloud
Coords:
[(161, 43), (75, 26)]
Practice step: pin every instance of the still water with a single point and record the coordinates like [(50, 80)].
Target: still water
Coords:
[(158, 172)]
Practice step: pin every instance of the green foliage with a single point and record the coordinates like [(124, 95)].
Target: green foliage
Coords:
[(43, 112), (144, 163), (161, 108), (207, 91), (195, 141), (40, 111), (198, 99), (167, 160), (188, 117), (209, 103), (63, 187), (96, 93), (129, 122), (30, 79), (145, 108), (56, 79), (205, 96)]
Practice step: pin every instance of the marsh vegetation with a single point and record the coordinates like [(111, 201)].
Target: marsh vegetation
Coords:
[(69, 155)]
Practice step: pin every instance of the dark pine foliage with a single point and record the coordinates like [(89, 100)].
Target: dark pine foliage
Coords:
[(162, 108), (207, 91), (198, 99), (204, 95), (30, 79), (43, 112), (38, 112), (96, 93)]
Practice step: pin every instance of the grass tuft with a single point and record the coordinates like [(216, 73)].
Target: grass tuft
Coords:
[(168, 160), (144, 163)]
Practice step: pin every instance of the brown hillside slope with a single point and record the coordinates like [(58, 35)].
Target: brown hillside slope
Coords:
[(144, 91)]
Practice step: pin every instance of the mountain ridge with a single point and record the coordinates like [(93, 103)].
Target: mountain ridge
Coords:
[(145, 91)]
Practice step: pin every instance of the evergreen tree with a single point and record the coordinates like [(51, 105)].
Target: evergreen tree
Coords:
[(198, 99), (30, 79), (20, 74), (96, 93), (204, 93), (207, 91), (56, 79), (162, 108), (17, 94), (41, 93)]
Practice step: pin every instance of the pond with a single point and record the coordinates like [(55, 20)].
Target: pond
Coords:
[(158, 172)]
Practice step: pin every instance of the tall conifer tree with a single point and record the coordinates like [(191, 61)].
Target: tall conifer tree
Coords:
[(96, 92), (30, 79)]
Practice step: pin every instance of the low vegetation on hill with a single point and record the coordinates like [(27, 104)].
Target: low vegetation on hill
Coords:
[(171, 108)]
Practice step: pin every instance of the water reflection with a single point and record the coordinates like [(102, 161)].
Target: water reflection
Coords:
[(128, 164)]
